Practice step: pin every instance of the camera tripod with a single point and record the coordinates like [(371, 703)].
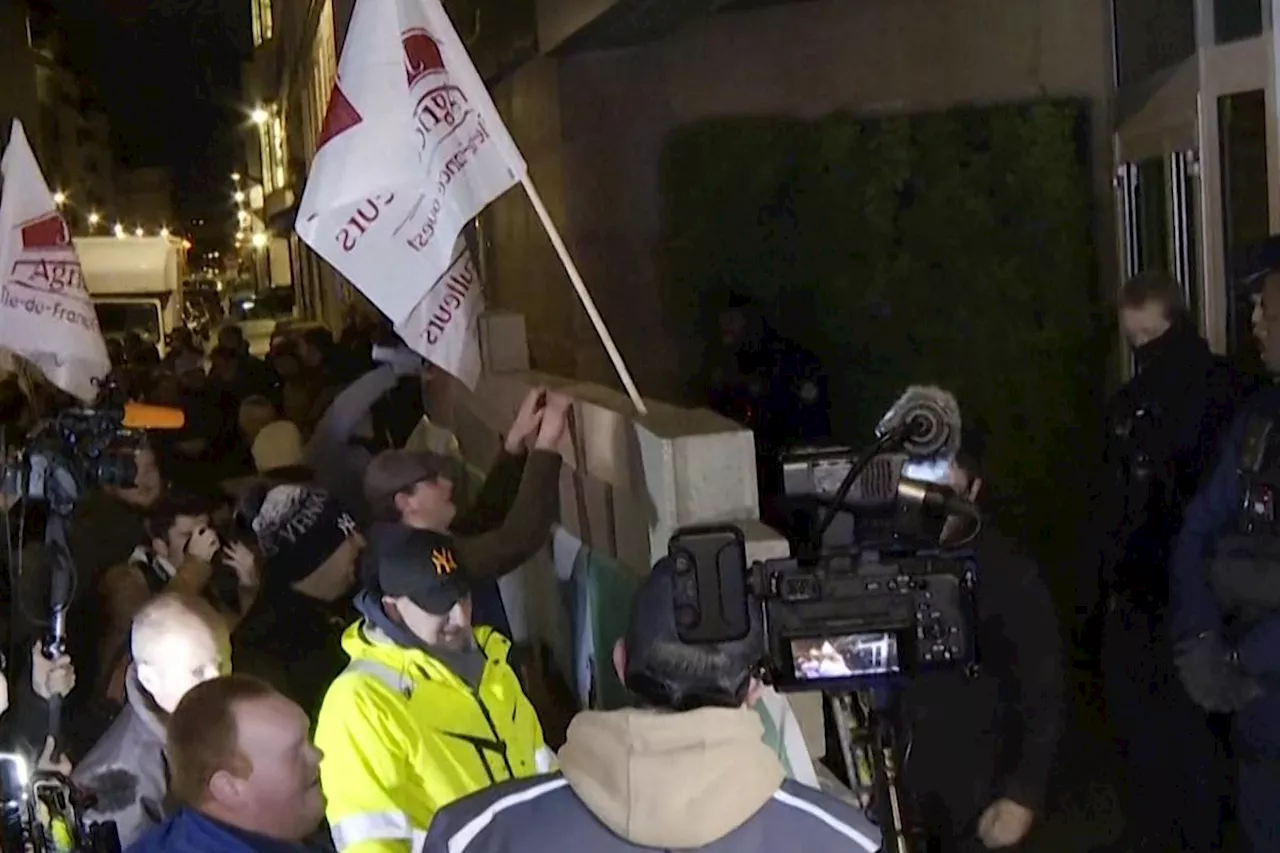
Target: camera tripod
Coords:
[(872, 746)]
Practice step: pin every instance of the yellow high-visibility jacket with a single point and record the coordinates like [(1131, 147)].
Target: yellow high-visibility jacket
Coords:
[(402, 737)]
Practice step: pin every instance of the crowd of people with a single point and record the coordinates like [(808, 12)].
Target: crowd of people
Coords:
[(286, 633)]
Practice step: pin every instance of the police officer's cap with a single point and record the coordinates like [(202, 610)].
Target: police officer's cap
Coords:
[(1256, 263)]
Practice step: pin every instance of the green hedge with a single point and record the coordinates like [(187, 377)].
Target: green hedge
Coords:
[(952, 248)]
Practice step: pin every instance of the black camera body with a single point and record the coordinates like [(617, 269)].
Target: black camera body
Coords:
[(840, 621)]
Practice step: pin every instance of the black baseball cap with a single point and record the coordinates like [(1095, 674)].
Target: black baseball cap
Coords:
[(422, 567), (653, 626), (1256, 262)]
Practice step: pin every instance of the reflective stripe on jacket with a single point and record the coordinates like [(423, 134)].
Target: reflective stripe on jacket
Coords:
[(403, 736)]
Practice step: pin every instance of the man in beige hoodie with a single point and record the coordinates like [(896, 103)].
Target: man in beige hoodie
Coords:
[(687, 770)]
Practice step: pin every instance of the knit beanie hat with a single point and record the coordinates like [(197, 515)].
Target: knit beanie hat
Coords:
[(299, 527), (278, 445)]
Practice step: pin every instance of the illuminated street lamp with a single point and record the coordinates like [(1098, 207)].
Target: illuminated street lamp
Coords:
[(138, 232), (235, 177), (259, 115), (118, 230), (238, 196), (259, 240), (164, 232), (59, 198), (93, 219)]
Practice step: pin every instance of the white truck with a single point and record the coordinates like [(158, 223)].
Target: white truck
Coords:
[(135, 284)]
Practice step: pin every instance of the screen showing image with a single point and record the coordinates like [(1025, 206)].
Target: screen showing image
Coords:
[(845, 656)]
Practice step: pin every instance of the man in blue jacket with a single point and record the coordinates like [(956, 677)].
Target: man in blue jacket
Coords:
[(1225, 577), (244, 770)]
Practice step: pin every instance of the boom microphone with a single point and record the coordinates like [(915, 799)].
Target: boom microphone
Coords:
[(927, 419)]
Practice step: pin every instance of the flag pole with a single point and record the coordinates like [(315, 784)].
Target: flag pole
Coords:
[(583, 295)]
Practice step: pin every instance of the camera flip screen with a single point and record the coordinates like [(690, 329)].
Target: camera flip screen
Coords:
[(845, 656)]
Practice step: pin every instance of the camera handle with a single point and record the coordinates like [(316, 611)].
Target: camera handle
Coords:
[(887, 443), (868, 727), (61, 586)]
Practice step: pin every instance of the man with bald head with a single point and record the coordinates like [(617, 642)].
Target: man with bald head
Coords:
[(244, 771), (1225, 576), (177, 642)]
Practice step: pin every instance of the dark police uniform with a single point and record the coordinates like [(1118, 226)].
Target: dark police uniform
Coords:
[(1162, 429), (1226, 561)]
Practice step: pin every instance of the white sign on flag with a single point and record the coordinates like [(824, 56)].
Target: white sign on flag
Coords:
[(411, 150), (46, 315)]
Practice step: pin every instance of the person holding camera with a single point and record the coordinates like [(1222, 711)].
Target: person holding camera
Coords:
[(687, 769), (181, 553), (981, 748)]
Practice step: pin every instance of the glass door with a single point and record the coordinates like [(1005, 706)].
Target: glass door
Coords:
[(1159, 205)]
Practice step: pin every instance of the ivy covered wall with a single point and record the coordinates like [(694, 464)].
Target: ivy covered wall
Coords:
[(953, 248)]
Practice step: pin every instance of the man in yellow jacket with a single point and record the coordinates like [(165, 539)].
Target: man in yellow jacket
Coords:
[(428, 711)]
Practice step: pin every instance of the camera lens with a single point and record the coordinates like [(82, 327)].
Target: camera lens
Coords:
[(116, 469)]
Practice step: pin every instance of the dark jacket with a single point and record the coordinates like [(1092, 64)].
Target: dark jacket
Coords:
[(1162, 431), (641, 780), (127, 771), (506, 524), (976, 741), (189, 831), (294, 642), (1195, 608)]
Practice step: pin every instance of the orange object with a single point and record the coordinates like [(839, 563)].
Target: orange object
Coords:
[(146, 416)]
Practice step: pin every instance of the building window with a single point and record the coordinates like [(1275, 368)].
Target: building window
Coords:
[(262, 21), (1151, 35), (324, 71), (272, 144), (1234, 20), (1242, 123)]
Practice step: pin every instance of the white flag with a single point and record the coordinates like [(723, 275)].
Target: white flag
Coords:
[(444, 325), (411, 150), (46, 315)]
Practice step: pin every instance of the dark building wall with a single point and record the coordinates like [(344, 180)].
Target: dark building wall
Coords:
[(592, 127), (17, 70)]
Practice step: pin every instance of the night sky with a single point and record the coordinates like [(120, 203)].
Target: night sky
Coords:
[(167, 73)]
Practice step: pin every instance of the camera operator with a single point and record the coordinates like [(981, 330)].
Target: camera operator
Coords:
[(981, 749), (179, 555), (688, 770), (178, 641), (26, 722), (244, 771)]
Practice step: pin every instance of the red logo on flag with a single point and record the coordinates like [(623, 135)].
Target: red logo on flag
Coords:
[(45, 232), (421, 55), (339, 118)]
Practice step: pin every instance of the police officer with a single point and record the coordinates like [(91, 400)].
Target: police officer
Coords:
[(1161, 429), (1225, 578)]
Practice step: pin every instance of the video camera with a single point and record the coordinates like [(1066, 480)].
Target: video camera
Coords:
[(842, 619), (65, 456), (73, 451)]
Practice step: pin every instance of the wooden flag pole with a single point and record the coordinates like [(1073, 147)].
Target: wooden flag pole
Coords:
[(583, 296)]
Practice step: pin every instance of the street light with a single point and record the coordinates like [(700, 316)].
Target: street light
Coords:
[(259, 115), (118, 230), (94, 219), (259, 240), (59, 198), (138, 232), (164, 232), (238, 196), (235, 177)]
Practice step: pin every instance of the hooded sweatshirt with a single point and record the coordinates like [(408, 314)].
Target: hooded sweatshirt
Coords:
[(638, 780)]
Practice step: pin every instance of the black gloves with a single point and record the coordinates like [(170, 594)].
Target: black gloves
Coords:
[(1212, 676)]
